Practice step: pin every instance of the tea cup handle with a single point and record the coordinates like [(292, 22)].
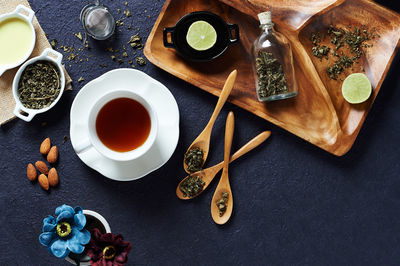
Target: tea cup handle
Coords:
[(19, 114), (30, 12), (58, 56)]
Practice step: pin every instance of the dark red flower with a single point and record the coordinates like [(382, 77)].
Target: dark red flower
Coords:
[(107, 249)]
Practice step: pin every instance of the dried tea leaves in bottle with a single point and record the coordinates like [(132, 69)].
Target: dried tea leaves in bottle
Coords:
[(39, 85), (194, 160), (222, 203), (192, 186), (271, 78)]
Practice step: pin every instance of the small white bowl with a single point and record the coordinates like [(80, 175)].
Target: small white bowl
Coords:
[(20, 110), (29, 19), (85, 260)]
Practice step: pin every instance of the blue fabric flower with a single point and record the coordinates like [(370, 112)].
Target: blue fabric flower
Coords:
[(65, 233)]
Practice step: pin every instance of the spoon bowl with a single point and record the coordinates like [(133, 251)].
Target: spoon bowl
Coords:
[(207, 175), (223, 185), (203, 140)]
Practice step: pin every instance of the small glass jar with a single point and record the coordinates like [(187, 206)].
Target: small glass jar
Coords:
[(273, 63)]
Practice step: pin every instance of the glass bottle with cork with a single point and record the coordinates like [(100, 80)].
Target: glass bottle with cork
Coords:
[(273, 63)]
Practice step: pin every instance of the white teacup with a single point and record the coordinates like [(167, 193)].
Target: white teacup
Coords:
[(93, 140)]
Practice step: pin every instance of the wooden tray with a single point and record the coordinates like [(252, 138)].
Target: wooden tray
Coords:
[(319, 114)]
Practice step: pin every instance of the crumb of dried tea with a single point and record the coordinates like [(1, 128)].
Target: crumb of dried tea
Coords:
[(192, 186), (120, 61), (53, 43), (130, 62), (127, 13), (135, 41), (112, 57), (78, 35), (194, 159), (81, 79), (119, 23), (140, 61), (65, 139), (125, 54)]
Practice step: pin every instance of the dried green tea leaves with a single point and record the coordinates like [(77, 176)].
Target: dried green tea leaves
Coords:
[(135, 41), (39, 85), (222, 203), (271, 78), (353, 40), (194, 160), (192, 186), (140, 61)]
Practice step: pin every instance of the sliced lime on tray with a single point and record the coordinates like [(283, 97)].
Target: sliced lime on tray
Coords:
[(201, 35), (356, 88)]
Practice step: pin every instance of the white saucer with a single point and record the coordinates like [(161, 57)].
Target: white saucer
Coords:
[(168, 122)]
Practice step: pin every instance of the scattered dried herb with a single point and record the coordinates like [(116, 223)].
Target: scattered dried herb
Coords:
[(81, 79), (354, 40), (271, 78), (321, 51), (65, 139), (78, 35), (135, 41), (222, 203), (53, 43), (194, 160), (39, 85), (192, 186), (140, 61)]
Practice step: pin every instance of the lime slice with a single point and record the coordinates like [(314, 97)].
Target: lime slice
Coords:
[(201, 35), (356, 88)]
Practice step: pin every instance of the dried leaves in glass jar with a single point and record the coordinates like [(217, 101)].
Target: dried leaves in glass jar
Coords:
[(39, 85), (271, 78)]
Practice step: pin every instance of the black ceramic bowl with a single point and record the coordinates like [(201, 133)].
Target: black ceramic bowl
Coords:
[(227, 34)]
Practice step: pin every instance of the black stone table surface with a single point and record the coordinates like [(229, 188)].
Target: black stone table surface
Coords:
[(295, 204)]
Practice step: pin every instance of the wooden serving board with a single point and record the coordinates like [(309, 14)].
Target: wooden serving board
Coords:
[(319, 114)]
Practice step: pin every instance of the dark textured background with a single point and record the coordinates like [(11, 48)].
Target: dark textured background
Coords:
[(294, 203)]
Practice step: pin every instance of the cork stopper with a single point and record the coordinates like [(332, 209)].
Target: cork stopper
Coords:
[(265, 17)]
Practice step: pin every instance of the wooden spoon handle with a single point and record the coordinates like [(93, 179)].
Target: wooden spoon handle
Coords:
[(260, 138), (253, 143), (229, 129), (222, 97)]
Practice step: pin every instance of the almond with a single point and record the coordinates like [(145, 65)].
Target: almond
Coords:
[(45, 146), (44, 182), (53, 177), (42, 167), (52, 156), (31, 172)]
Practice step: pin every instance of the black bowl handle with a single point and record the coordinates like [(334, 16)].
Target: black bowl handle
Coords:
[(235, 28), (165, 37)]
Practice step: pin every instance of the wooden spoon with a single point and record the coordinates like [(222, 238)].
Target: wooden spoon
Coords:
[(207, 175), (223, 185), (203, 140)]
